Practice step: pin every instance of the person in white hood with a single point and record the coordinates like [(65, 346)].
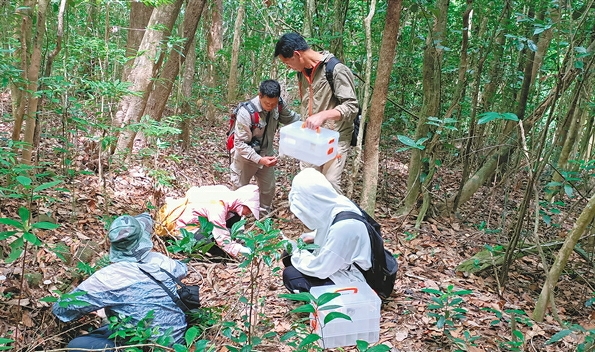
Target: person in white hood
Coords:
[(316, 203)]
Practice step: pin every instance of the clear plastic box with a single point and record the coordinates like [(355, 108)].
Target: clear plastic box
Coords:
[(311, 146), (360, 303)]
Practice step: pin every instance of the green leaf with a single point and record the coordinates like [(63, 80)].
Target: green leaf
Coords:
[(49, 299), (487, 117), (329, 307), (335, 315), (31, 238), (191, 335), (24, 214), (12, 222), (431, 290), (326, 297), (568, 190), (46, 185), (6, 234), (306, 308), (407, 141), (302, 296), (362, 345), (288, 335), (311, 338), (509, 116), (24, 180), (45, 225)]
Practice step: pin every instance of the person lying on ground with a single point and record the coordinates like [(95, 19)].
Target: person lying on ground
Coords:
[(219, 205)]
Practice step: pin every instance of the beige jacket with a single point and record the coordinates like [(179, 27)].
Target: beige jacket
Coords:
[(317, 89), (244, 134)]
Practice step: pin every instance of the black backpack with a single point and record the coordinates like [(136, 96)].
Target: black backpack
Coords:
[(328, 72), (383, 273)]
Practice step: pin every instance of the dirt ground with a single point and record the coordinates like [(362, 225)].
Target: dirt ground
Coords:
[(427, 256)]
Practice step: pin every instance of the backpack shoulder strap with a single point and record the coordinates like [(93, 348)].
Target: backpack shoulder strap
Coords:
[(174, 298), (376, 245), (253, 111), (280, 105), (328, 72)]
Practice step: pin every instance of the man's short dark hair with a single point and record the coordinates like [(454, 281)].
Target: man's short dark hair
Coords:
[(290, 42), (270, 88)]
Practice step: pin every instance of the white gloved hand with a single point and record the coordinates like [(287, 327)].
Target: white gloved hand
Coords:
[(245, 251), (308, 237)]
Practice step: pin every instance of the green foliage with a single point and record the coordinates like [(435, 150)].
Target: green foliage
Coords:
[(66, 299), (447, 305), (87, 269), (411, 144), (140, 333), (24, 233), (588, 341), (187, 243), (493, 116), (513, 317), (5, 344)]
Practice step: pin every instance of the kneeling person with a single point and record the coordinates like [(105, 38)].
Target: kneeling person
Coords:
[(315, 202)]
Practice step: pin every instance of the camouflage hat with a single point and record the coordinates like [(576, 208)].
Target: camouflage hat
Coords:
[(130, 238)]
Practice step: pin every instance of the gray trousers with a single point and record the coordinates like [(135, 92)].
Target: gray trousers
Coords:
[(242, 171)]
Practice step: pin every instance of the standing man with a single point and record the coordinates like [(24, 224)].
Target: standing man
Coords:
[(253, 144), (322, 107)]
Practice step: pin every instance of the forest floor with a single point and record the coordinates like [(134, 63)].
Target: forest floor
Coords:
[(427, 256)]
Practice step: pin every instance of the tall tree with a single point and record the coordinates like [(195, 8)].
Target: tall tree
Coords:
[(162, 88), (214, 29), (377, 108), (232, 82), (132, 106), (432, 68), (31, 66)]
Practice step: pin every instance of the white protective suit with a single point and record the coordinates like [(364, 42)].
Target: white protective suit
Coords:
[(316, 203)]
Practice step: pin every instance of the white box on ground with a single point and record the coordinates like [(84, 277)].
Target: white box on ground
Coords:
[(311, 146), (360, 303)]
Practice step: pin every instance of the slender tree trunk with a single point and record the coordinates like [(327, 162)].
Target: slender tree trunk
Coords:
[(340, 11), (432, 68), (547, 290), (132, 106), (232, 82), (363, 102), (162, 88), (309, 12), (214, 44), (19, 91), (385, 65), (186, 109), (33, 79)]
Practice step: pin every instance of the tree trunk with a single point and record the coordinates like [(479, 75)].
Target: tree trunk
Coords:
[(232, 82), (340, 13), (214, 44), (132, 106), (163, 86), (363, 103), (547, 290), (139, 18), (432, 68), (33, 79), (309, 11), (379, 95), (186, 109), (20, 90)]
